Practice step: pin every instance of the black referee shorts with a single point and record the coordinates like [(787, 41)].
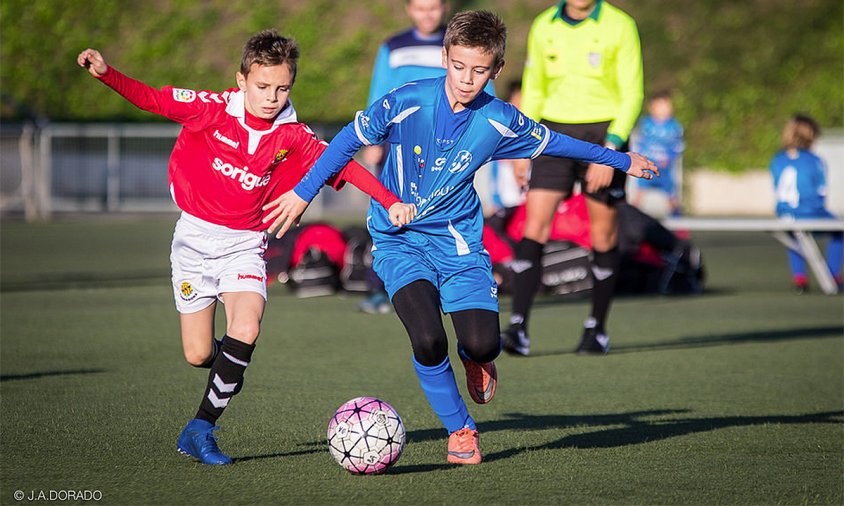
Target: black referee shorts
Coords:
[(560, 174)]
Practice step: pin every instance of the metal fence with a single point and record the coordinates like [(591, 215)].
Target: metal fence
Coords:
[(105, 168)]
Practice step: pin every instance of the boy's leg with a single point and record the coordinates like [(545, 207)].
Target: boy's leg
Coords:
[(835, 256), (418, 307), (478, 344), (198, 342), (797, 264), (603, 220), (225, 379)]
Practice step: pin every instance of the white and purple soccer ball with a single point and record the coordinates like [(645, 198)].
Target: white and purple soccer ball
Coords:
[(366, 436)]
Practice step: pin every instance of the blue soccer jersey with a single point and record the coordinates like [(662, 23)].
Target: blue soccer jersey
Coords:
[(662, 142), (799, 184), (433, 156)]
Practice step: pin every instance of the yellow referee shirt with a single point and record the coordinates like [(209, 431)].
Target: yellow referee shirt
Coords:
[(585, 73)]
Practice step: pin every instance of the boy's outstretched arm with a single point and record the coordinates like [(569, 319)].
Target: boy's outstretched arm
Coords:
[(290, 206)]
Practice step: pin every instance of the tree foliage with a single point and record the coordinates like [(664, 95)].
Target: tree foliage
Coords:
[(737, 69)]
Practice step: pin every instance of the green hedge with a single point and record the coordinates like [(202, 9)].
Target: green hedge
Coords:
[(737, 69)]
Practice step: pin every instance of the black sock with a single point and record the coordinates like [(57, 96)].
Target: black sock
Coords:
[(528, 269), (225, 378), (604, 269), (216, 343)]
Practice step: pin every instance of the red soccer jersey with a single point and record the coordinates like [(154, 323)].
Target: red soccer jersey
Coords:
[(223, 171)]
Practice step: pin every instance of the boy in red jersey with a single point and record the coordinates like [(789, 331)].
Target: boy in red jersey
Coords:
[(237, 151)]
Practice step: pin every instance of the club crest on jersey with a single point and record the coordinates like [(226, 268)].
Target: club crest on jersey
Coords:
[(183, 95), (281, 155), (461, 162), (595, 59), (186, 291)]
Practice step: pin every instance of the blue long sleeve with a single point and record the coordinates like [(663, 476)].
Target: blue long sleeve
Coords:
[(563, 146), (340, 150)]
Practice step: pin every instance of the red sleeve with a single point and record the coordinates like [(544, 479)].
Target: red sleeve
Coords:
[(177, 104), (356, 174), (312, 147)]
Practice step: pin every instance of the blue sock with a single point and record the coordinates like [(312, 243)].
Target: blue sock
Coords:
[(440, 388), (835, 253), (798, 265)]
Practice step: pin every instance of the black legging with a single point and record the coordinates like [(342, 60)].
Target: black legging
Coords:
[(418, 307)]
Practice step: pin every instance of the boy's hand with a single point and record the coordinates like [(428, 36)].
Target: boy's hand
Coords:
[(288, 210), (641, 167), (521, 171), (598, 177), (401, 213), (92, 60)]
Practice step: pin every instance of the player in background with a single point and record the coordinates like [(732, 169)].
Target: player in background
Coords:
[(583, 78), (237, 150), (800, 191), (659, 136), (440, 131), (410, 55)]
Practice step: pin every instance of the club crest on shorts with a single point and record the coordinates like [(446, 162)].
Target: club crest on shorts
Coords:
[(186, 291)]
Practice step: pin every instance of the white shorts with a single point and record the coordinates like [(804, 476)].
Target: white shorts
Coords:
[(208, 260)]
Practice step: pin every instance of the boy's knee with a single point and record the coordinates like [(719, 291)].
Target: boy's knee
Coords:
[(484, 352), (198, 358), (246, 332)]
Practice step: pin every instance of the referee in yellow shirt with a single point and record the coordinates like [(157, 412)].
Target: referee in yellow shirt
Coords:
[(583, 78)]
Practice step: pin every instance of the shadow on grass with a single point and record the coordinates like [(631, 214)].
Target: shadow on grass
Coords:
[(69, 280), (636, 430), (603, 431), (282, 454), (44, 374), (709, 340)]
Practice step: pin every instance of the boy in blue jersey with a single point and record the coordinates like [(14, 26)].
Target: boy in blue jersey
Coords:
[(440, 131), (800, 191), (659, 136)]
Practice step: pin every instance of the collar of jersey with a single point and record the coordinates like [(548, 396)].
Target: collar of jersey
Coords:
[(442, 96), (560, 14), (237, 109)]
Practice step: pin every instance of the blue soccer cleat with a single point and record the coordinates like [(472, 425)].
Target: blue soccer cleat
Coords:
[(198, 441)]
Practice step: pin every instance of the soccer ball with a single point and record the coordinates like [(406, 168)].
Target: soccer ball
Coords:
[(365, 436)]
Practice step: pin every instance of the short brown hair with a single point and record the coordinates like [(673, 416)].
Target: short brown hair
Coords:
[(479, 29), (800, 132), (269, 48)]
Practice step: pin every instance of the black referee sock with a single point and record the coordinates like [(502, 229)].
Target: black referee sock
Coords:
[(225, 378), (528, 269), (604, 269)]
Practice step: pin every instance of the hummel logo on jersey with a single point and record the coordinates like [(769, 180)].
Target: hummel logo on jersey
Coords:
[(225, 140), (439, 164), (183, 95), (386, 104), (247, 181)]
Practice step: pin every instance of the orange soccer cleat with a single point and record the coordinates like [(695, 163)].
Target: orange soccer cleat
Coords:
[(463, 447), (480, 380)]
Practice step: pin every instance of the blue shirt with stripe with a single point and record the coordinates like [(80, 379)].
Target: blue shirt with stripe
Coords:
[(434, 154)]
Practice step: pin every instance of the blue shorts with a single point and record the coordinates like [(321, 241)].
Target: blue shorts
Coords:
[(464, 281)]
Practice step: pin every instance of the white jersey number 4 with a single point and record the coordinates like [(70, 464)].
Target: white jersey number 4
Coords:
[(787, 187)]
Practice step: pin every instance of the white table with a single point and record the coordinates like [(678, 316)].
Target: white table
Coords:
[(794, 234)]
